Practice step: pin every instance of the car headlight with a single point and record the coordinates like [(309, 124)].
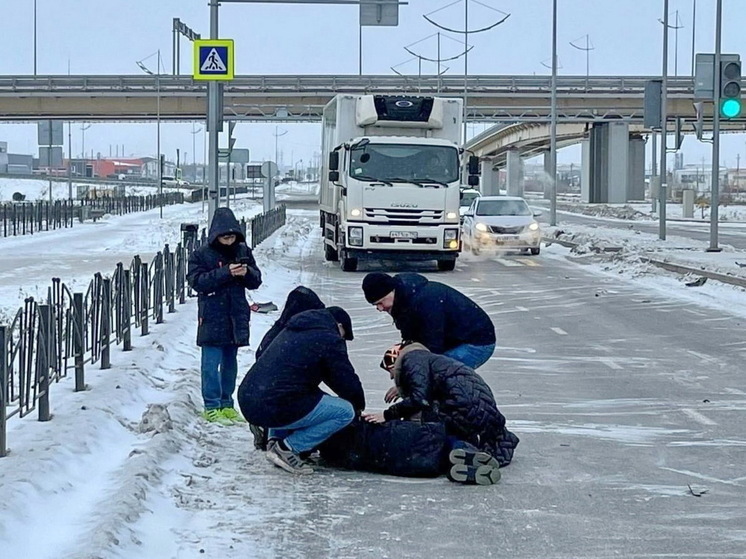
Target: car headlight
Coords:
[(533, 227), (355, 236), (481, 227)]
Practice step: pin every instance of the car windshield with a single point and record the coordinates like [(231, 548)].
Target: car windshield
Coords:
[(503, 207), (399, 163), (468, 198)]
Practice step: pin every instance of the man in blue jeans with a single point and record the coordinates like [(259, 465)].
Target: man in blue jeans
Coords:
[(281, 390), (220, 272), (441, 318)]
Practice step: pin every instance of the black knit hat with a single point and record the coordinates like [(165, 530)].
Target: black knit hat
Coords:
[(341, 316), (376, 285)]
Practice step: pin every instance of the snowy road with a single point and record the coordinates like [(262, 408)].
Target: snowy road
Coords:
[(626, 394)]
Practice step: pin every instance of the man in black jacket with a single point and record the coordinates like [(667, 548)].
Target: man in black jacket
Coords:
[(436, 315), (281, 390), (220, 272)]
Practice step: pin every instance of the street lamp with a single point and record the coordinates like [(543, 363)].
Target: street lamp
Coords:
[(157, 74)]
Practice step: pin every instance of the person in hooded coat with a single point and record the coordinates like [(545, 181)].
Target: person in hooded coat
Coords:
[(436, 315), (442, 389), (220, 272), (282, 390), (298, 300)]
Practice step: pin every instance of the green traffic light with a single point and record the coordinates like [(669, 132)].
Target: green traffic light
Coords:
[(730, 108)]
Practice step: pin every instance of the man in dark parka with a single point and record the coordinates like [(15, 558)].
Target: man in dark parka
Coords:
[(220, 272), (282, 390), (436, 315)]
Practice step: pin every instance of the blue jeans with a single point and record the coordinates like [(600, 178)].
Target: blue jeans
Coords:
[(219, 370), (471, 355), (330, 415)]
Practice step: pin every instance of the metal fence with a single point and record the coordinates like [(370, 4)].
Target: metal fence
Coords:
[(27, 218), (69, 330)]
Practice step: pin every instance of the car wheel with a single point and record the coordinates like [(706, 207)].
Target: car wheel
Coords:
[(535, 251)]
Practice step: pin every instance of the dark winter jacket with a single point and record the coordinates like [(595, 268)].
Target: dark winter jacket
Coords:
[(445, 390), (222, 307), (438, 316), (299, 299), (283, 384), (398, 448)]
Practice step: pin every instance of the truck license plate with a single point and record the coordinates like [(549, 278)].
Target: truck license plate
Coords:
[(404, 234)]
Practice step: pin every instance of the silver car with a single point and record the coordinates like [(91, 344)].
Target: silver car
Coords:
[(501, 222)]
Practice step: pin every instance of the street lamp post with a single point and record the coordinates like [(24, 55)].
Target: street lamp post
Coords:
[(159, 166)]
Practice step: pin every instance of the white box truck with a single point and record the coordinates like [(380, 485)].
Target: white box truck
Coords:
[(390, 179)]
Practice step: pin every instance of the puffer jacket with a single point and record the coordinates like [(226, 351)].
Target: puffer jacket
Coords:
[(445, 390), (437, 315), (223, 310)]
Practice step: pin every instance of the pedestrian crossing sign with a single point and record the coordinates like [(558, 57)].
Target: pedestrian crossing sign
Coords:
[(213, 59)]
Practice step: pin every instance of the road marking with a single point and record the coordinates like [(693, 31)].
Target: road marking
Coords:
[(522, 309), (610, 363), (698, 417), (559, 331), (704, 357), (528, 262), (508, 263), (475, 279)]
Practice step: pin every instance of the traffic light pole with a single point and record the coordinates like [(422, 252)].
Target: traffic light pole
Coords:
[(715, 189)]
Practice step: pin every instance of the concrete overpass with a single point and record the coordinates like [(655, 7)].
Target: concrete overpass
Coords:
[(300, 98)]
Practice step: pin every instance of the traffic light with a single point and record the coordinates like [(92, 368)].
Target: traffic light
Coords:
[(730, 89)]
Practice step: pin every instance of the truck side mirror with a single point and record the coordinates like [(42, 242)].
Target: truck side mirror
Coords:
[(333, 176), (334, 161), (473, 165), (473, 180)]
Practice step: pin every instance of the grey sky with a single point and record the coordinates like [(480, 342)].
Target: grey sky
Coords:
[(107, 37)]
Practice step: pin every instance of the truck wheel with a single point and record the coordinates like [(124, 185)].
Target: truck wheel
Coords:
[(446, 265), (330, 254), (348, 264)]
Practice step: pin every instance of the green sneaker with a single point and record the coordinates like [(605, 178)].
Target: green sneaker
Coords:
[(216, 416), (232, 415)]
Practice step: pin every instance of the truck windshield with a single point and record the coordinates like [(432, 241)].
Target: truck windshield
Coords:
[(405, 162)]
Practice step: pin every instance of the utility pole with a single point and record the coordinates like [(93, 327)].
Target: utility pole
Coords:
[(553, 127), (663, 194), (214, 119), (715, 189)]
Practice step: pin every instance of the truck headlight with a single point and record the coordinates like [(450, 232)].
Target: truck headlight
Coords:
[(355, 236), (355, 212), (450, 239), (452, 216)]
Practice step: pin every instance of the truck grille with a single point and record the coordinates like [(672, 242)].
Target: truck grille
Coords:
[(403, 216)]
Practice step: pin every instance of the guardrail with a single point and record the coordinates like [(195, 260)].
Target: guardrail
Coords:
[(45, 340)]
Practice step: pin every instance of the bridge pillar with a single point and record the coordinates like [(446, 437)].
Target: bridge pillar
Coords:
[(636, 184), (546, 180), (585, 170), (608, 158), (489, 182), (514, 178)]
